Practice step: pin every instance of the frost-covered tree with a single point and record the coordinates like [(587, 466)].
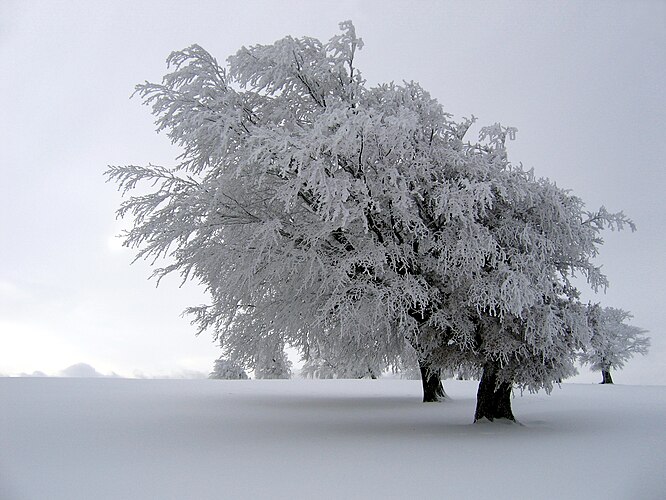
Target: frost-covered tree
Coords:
[(288, 202), (613, 341), (270, 360), (319, 211), (226, 369), (329, 360), (530, 319), (325, 369)]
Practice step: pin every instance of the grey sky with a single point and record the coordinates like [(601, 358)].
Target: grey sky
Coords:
[(582, 81)]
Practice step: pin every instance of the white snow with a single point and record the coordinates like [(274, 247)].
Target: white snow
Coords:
[(70, 439)]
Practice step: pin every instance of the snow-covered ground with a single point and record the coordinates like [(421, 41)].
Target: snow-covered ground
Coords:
[(70, 439)]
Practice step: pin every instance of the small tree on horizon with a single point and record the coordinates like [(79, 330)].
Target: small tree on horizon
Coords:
[(271, 361), (225, 369), (325, 361), (613, 341)]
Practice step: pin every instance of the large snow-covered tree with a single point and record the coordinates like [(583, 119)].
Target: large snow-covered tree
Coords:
[(530, 319), (318, 211), (286, 195), (613, 341)]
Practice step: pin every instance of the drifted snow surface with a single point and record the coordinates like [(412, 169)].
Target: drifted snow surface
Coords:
[(71, 439)]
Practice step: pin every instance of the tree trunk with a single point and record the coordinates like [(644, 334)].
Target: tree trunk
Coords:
[(493, 401), (607, 379), (433, 390)]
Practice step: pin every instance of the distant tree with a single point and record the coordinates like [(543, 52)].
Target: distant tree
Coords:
[(318, 368), (613, 341), (318, 211), (226, 369), (325, 369), (324, 361), (270, 360), (408, 367)]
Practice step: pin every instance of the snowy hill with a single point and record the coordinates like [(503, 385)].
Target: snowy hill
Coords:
[(71, 439)]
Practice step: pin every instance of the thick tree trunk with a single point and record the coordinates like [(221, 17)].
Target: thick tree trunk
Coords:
[(433, 390), (607, 379), (493, 401)]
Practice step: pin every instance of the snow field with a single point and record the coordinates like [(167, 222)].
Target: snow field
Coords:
[(71, 439)]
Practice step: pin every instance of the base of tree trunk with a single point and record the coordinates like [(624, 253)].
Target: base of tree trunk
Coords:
[(493, 401), (433, 390), (606, 377)]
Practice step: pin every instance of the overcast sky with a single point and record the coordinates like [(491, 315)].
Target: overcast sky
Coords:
[(582, 81)]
